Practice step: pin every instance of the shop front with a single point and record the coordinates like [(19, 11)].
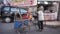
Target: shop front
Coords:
[(50, 9)]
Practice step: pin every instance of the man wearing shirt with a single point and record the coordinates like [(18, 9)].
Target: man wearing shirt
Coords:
[(40, 18)]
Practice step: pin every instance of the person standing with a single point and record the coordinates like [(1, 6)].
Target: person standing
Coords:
[(40, 18)]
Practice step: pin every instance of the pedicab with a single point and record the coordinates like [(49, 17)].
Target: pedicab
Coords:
[(21, 25)]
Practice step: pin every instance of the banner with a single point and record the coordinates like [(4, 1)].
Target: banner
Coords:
[(23, 2)]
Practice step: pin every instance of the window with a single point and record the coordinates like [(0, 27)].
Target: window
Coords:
[(34, 9), (23, 11), (14, 9), (6, 8)]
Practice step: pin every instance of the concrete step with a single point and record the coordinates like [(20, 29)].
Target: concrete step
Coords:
[(54, 23)]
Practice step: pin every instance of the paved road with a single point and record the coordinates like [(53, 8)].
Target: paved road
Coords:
[(8, 28)]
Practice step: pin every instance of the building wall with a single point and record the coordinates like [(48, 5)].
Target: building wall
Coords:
[(52, 16), (59, 12)]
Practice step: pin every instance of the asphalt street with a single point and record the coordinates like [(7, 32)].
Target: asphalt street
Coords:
[(8, 28)]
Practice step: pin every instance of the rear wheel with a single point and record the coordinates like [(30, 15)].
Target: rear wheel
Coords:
[(7, 19)]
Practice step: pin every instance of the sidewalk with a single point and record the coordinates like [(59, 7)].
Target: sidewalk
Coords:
[(52, 23)]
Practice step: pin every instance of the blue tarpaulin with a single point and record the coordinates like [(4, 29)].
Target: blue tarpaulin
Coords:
[(18, 24), (26, 22)]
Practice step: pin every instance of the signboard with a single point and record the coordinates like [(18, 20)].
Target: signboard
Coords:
[(23, 2), (18, 0)]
